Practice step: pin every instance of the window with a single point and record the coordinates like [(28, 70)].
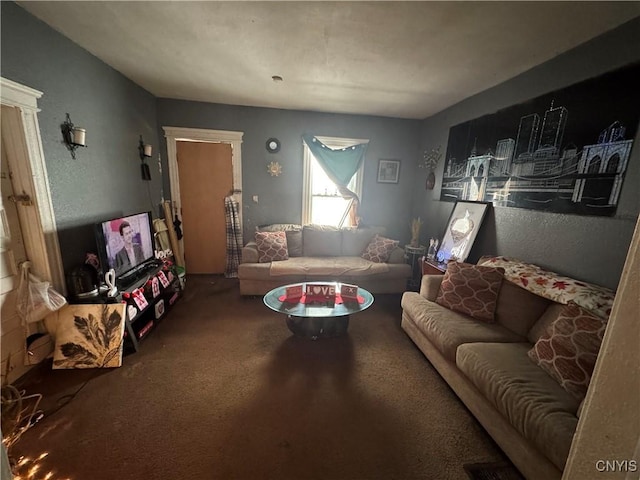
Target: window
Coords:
[(321, 202)]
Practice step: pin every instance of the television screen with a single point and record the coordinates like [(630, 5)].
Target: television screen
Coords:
[(125, 242)]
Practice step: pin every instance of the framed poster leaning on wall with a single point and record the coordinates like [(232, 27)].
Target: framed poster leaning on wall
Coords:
[(462, 229)]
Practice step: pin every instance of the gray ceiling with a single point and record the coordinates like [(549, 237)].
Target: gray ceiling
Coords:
[(396, 59)]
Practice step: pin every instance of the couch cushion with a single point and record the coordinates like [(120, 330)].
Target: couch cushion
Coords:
[(471, 289), (272, 246), (397, 256), (321, 241), (379, 249), (250, 253), (518, 309), (569, 349), (293, 231), (531, 400), (261, 272), (447, 329), (355, 240), (544, 322)]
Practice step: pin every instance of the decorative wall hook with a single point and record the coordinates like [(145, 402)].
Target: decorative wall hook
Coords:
[(73, 136)]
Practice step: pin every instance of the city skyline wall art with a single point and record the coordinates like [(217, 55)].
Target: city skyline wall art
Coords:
[(566, 151)]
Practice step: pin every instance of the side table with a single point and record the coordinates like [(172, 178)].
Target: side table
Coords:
[(432, 267), (413, 256)]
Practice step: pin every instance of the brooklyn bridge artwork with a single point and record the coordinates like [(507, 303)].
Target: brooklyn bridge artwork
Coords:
[(567, 151)]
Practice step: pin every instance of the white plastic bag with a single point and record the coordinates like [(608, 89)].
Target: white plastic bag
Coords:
[(36, 299)]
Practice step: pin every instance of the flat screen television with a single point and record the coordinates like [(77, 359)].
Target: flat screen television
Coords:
[(126, 245)]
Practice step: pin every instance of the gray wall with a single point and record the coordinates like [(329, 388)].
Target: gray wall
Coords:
[(104, 180), (280, 198), (585, 247)]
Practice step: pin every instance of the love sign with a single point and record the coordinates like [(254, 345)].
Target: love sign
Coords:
[(321, 290), (321, 294)]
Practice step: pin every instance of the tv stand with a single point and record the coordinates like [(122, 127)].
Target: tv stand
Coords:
[(142, 320), (138, 277)]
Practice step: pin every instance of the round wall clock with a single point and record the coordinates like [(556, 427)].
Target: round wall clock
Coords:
[(273, 145)]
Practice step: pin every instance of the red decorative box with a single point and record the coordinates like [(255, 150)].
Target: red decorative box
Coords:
[(349, 292), (293, 293)]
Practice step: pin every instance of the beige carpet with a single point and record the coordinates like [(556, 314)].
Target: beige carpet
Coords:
[(222, 390)]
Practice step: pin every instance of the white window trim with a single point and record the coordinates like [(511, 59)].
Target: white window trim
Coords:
[(333, 142)]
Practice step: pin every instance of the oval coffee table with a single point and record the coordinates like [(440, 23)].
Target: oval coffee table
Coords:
[(317, 321)]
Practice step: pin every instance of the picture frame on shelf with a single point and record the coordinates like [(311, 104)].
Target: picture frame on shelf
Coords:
[(462, 229), (388, 171)]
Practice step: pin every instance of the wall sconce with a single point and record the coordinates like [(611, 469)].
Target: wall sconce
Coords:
[(145, 152), (144, 149), (73, 136)]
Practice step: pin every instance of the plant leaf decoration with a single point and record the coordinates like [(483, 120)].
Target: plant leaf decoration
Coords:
[(92, 341)]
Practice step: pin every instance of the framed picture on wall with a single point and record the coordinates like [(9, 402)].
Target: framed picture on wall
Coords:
[(462, 229), (388, 171)]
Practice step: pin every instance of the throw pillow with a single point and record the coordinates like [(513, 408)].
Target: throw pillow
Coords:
[(272, 246), (471, 289), (293, 231), (379, 249), (569, 348)]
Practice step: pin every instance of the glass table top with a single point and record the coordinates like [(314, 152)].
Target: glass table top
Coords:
[(275, 300)]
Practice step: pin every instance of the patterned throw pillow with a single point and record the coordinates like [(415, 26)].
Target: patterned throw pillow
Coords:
[(569, 348), (379, 249), (293, 231), (272, 246), (471, 289)]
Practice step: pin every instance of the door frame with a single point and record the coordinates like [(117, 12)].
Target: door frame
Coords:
[(29, 176), (176, 134)]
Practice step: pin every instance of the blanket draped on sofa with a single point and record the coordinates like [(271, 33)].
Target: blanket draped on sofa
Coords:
[(353, 266)]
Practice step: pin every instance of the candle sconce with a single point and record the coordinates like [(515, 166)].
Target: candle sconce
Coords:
[(145, 151), (73, 136)]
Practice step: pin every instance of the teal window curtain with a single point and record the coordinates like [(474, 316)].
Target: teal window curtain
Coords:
[(340, 165)]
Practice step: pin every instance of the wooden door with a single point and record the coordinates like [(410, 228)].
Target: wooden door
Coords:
[(12, 252), (206, 178)]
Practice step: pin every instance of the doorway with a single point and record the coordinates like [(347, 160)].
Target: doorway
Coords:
[(206, 178), (230, 138), (22, 150), (12, 253)]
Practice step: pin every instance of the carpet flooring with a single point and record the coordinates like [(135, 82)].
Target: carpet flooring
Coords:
[(492, 471), (221, 389)]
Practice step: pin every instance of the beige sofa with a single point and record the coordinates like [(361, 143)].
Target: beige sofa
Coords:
[(319, 253), (529, 415)]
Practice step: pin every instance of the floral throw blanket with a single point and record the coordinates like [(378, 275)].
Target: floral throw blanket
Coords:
[(554, 286)]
